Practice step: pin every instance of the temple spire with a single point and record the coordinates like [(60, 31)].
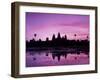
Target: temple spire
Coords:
[(59, 37)]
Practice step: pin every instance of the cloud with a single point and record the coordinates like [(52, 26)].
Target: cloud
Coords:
[(75, 24)]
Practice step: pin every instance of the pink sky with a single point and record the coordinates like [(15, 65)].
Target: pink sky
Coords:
[(46, 24)]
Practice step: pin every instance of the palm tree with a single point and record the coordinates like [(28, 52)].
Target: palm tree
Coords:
[(87, 37), (75, 36), (35, 35)]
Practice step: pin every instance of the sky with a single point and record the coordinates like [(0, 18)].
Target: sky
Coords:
[(47, 24)]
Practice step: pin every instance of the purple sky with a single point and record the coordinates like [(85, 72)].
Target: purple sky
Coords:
[(47, 24)]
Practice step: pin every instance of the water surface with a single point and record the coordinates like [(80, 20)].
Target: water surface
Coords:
[(56, 57)]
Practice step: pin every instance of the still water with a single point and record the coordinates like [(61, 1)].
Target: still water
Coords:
[(56, 58)]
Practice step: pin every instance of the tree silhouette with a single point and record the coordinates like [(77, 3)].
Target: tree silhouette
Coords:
[(35, 35), (47, 39), (65, 37), (40, 40), (87, 37), (75, 36)]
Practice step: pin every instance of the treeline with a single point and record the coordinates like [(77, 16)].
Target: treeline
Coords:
[(57, 42)]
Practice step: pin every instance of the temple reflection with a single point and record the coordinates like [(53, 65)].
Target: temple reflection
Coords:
[(59, 55), (56, 54)]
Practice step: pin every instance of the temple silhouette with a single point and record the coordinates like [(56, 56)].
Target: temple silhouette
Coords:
[(57, 42)]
